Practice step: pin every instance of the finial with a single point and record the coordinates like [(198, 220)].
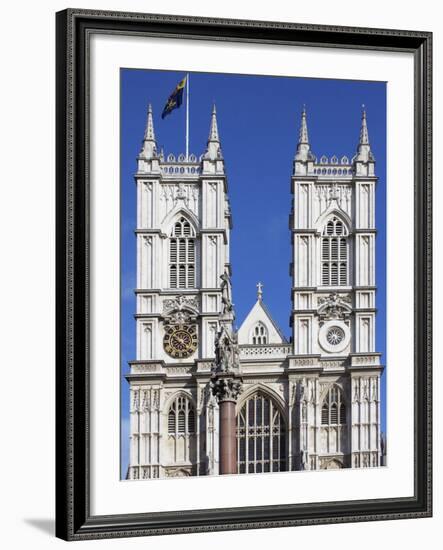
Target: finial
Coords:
[(149, 146), (213, 131), (259, 291), (213, 149), (364, 136), (303, 135), (303, 153), (149, 132), (364, 153)]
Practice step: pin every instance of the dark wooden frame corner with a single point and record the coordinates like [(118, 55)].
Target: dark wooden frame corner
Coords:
[(74, 520)]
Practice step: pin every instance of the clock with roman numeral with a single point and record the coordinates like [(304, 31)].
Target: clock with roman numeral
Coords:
[(180, 341)]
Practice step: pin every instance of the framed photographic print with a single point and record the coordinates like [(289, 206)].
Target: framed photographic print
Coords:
[(243, 274)]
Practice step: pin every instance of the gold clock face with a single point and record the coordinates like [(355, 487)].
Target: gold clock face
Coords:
[(180, 341)]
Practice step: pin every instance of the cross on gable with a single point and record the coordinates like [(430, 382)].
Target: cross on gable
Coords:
[(259, 290)]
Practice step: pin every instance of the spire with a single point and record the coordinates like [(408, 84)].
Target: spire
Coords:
[(364, 137), (149, 146), (149, 132), (364, 153), (303, 148), (213, 149), (303, 135), (213, 131)]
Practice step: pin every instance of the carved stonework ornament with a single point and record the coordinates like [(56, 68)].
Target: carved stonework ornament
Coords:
[(146, 400), (226, 388), (156, 399), (293, 394), (334, 307), (334, 192), (340, 193), (180, 310), (185, 194), (178, 472), (181, 192), (356, 391)]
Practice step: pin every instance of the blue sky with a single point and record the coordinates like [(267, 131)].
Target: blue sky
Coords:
[(258, 120)]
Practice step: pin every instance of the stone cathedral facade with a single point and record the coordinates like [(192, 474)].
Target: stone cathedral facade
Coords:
[(310, 403)]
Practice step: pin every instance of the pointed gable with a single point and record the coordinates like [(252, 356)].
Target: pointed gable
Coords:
[(259, 327)]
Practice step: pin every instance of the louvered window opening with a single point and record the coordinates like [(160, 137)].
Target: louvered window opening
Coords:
[(181, 417), (260, 335), (333, 411), (334, 254), (261, 437), (182, 255)]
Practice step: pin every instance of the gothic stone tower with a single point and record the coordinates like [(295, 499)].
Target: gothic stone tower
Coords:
[(183, 225), (334, 363)]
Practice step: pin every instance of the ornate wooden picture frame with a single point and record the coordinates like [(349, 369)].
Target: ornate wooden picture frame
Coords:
[(74, 368)]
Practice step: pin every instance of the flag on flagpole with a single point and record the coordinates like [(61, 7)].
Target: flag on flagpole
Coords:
[(175, 99)]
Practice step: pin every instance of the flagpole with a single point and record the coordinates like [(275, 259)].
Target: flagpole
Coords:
[(187, 116)]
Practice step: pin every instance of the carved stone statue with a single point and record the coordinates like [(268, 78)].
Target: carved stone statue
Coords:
[(303, 460), (226, 294), (226, 351), (180, 310)]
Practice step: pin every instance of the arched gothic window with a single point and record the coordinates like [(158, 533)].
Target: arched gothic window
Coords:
[(333, 410), (334, 253), (259, 334), (261, 436), (181, 416), (182, 255)]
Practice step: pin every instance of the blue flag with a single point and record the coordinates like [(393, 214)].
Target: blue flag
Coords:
[(175, 99)]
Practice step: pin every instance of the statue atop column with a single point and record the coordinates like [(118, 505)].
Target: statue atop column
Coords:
[(227, 357), (226, 381)]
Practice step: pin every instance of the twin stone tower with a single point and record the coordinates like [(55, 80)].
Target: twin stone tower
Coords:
[(207, 399)]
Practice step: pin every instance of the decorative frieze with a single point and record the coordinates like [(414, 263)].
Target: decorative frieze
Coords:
[(204, 366), (269, 380), (277, 351), (303, 362), (333, 364), (179, 370), (372, 360), (147, 368)]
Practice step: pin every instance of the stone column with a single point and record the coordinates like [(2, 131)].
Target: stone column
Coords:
[(226, 381), (227, 387)]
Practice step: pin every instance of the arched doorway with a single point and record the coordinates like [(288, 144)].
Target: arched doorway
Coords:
[(261, 436)]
